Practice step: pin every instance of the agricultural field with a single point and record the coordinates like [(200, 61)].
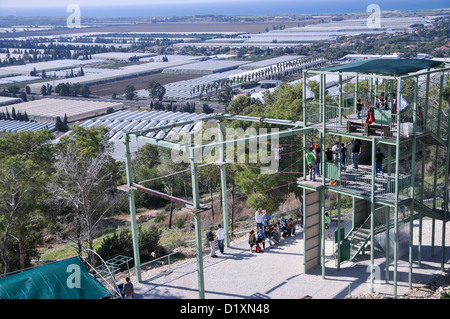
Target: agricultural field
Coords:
[(140, 83)]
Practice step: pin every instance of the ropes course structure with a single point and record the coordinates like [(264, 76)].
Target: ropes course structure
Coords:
[(219, 144)]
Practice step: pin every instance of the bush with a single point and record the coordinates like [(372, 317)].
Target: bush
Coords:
[(122, 244), (180, 223)]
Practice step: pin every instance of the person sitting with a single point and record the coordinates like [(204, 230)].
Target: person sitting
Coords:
[(273, 234), (277, 232), (290, 227), (370, 116), (283, 226), (261, 239), (268, 233)]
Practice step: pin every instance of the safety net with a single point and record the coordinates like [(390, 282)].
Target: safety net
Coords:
[(394, 67), (66, 279)]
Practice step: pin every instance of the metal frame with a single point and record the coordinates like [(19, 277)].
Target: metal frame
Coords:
[(324, 131), (194, 207)]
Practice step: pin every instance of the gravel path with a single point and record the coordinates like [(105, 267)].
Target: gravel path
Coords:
[(276, 273)]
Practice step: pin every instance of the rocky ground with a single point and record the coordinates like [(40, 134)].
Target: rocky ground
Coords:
[(437, 288)]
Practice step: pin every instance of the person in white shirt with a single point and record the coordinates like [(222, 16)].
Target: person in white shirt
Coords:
[(258, 219), (335, 150), (220, 238)]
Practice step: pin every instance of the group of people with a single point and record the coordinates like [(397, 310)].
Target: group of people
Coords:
[(384, 104), (266, 230), (339, 153), (332, 155), (220, 235)]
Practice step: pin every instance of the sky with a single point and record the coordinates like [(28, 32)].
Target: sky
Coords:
[(192, 7)]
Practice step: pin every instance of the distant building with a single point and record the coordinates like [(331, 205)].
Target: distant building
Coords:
[(423, 56), (360, 57)]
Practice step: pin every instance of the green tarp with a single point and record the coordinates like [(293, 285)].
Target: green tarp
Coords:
[(395, 67), (66, 279)]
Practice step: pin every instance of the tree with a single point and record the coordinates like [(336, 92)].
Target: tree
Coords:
[(156, 90), (25, 163), (87, 177), (43, 90), (85, 91), (207, 109), (60, 126), (130, 92)]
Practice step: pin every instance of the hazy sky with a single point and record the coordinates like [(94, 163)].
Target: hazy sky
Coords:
[(193, 7), (64, 3)]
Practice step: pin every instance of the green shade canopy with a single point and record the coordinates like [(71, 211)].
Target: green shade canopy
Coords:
[(395, 67), (66, 279)]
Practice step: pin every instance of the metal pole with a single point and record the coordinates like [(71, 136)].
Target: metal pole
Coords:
[(397, 165), (447, 162), (339, 233), (340, 99), (413, 169), (441, 85), (372, 219), (134, 228), (198, 226), (388, 228), (323, 85), (356, 92), (305, 230), (223, 186)]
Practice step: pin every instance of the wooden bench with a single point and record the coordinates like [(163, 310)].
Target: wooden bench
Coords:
[(373, 128), (368, 129)]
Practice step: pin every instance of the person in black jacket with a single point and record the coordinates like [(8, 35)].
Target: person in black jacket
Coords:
[(212, 243)]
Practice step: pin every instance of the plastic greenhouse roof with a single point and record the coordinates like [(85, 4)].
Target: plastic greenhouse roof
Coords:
[(396, 67), (66, 279)]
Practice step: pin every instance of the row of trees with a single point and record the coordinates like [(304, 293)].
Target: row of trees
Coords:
[(13, 116), (43, 183)]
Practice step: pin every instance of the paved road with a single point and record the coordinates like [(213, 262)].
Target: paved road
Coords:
[(277, 273)]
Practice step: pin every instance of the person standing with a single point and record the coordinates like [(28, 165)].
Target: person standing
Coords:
[(212, 243), (220, 238), (327, 225), (379, 162), (317, 152), (128, 289), (310, 161), (356, 151), (251, 240), (359, 107), (329, 155), (258, 219), (266, 219), (420, 118), (335, 150), (343, 155)]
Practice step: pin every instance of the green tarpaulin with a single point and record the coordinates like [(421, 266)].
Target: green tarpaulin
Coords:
[(66, 279), (395, 67)]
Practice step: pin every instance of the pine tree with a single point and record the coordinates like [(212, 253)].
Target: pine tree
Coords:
[(59, 124)]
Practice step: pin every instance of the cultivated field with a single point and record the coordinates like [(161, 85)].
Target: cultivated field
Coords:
[(139, 83)]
